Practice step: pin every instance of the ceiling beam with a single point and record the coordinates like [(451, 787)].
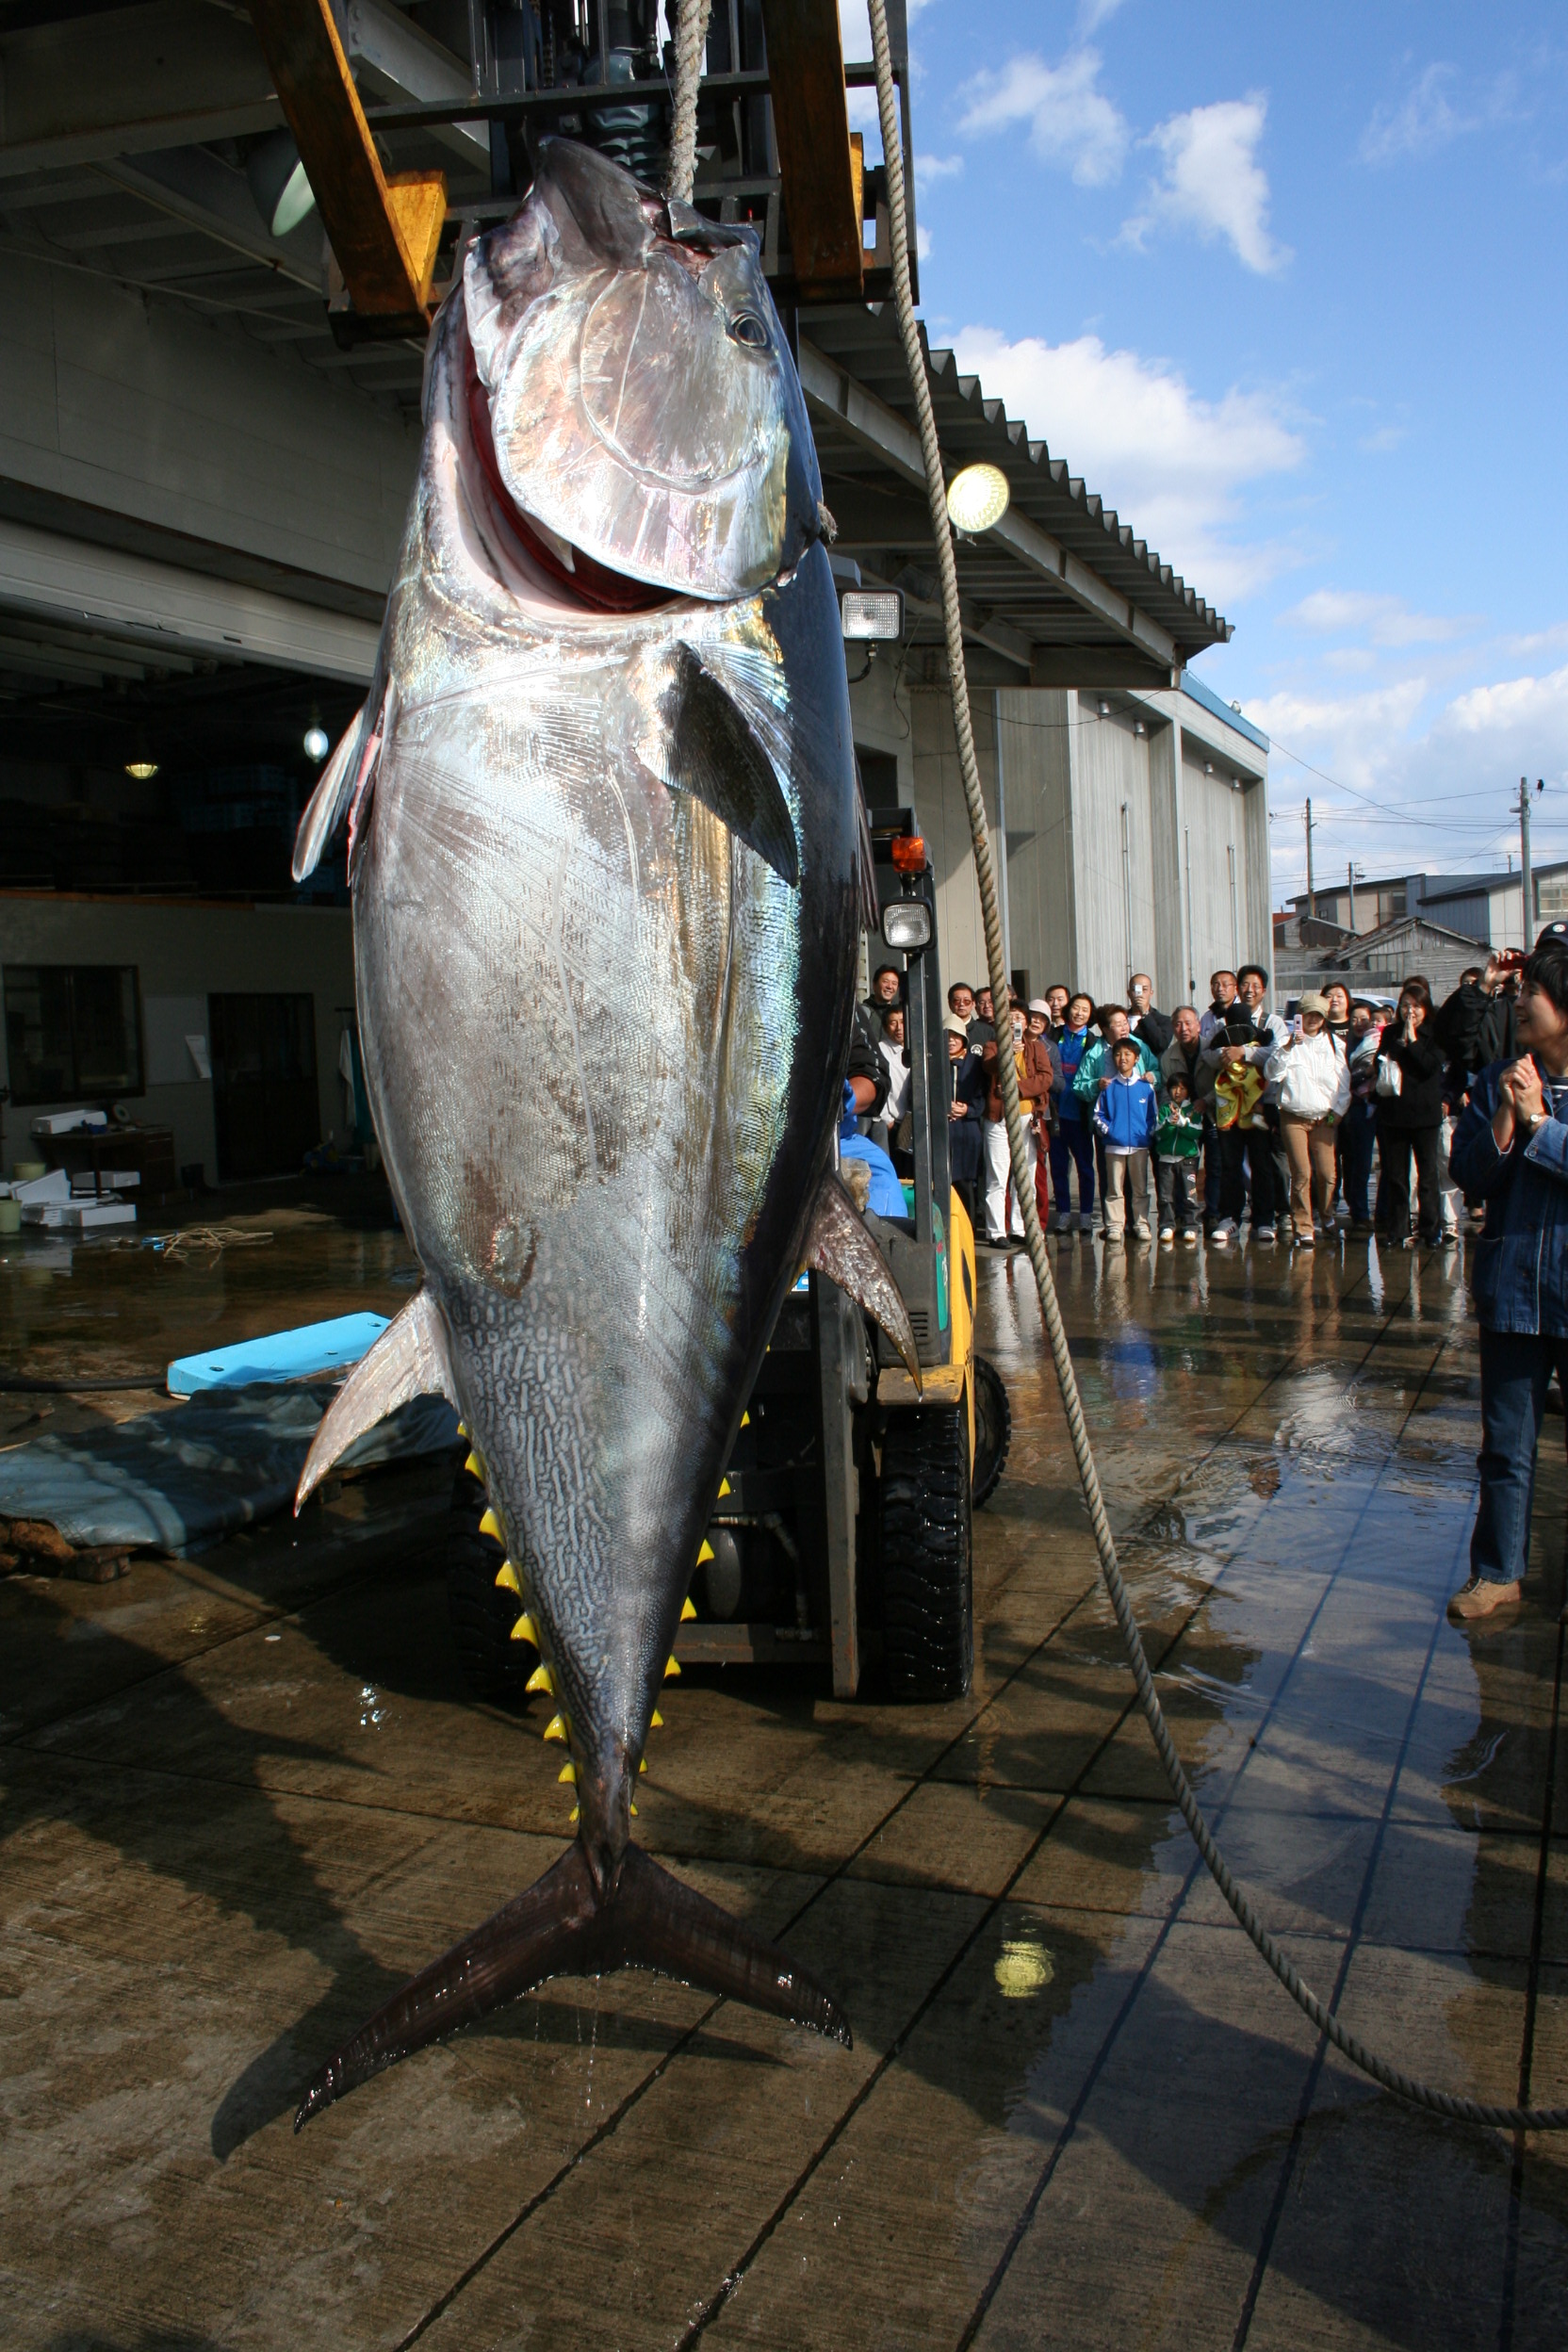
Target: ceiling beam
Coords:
[(168, 75), (398, 60), (810, 117), (195, 188), (383, 232), (835, 393)]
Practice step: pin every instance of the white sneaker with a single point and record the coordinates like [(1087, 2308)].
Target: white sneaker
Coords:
[(1265, 1233), (1225, 1229), (1168, 1233), (1189, 1233)]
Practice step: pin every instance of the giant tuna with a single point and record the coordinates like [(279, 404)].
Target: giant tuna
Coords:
[(606, 864)]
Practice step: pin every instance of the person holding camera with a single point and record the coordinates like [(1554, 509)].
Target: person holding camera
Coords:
[(1511, 1151), (1409, 1096)]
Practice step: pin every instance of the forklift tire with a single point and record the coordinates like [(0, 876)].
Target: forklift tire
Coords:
[(481, 1613), (993, 1432), (924, 1545)]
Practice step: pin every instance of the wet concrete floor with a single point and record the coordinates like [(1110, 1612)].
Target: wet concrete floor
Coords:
[(243, 1797)]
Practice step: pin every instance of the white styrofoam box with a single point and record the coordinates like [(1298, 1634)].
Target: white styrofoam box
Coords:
[(55, 1186), (86, 1216), (68, 1122)]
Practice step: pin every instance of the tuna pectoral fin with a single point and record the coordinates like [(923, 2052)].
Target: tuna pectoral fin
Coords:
[(563, 1926), (329, 803), (713, 753), (408, 1360), (838, 1245)]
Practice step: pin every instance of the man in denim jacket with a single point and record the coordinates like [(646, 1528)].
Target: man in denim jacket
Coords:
[(1512, 1152)]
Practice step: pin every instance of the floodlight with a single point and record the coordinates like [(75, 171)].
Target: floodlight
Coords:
[(977, 499), (873, 615), (283, 194), (906, 925)]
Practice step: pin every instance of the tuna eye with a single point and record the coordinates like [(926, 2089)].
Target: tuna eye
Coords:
[(748, 329)]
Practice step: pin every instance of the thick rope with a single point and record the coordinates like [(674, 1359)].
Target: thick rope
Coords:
[(691, 43), (1405, 2086)]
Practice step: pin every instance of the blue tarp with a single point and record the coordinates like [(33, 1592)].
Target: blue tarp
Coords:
[(187, 1475)]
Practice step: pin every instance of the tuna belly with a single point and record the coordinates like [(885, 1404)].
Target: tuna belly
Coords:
[(579, 1001)]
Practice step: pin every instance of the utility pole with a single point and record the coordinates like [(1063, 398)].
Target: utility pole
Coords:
[(1312, 895), (1350, 869), (1529, 923)]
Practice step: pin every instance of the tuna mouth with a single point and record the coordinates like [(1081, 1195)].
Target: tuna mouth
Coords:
[(586, 582)]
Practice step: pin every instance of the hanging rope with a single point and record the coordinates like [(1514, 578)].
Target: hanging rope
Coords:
[(691, 43), (1405, 2086)]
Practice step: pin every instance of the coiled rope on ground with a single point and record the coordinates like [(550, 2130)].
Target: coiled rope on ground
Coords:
[(1405, 2086)]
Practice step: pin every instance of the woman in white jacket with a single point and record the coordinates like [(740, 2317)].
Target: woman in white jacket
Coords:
[(1312, 1080)]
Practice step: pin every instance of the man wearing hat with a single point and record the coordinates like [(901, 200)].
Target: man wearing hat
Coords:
[(1312, 1080)]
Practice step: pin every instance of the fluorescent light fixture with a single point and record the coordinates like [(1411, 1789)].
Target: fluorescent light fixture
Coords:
[(977, 499), (318, 743), (906, 925), (873, 615), (282, 194), (143, 770)]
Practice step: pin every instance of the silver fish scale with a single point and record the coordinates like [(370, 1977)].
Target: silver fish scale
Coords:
[(602, 1039)]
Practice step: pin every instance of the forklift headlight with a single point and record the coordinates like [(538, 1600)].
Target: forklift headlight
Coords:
[(906, 925), (873, 615)]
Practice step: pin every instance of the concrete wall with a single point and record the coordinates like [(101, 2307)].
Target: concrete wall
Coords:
[(1109, 814), (188, 425), (183, 952)]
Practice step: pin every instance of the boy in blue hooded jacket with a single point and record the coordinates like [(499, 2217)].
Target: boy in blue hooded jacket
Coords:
[(1125, 1116)]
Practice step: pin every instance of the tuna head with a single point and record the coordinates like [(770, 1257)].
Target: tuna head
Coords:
[(642, 407)]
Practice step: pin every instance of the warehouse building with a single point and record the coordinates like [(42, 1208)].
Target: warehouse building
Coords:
[(203, 474)]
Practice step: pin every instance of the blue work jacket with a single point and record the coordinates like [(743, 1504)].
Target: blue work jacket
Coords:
[(1520, 1278)]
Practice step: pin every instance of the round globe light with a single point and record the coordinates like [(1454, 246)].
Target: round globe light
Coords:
[(977, 499), (318, 743), (143, 770)]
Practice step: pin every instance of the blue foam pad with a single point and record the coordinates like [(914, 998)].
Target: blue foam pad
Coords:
[(310, 1349)]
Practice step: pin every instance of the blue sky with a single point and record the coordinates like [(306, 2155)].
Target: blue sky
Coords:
[(1286, 286)]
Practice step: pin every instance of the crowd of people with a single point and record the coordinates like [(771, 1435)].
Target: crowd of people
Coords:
[(1231, 1121), (1347, 1114)]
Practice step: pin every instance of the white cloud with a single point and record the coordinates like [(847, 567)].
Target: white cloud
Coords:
[(1383, 620), (922, 243), (1169, 461), (1092, 14), (1380, 443), (1442, 792), (1425, 120), (1072, 122), (929, 168), (1214, 183), (1427, 117)]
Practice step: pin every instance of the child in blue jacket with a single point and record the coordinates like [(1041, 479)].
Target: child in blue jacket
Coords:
[(1125, 1116)]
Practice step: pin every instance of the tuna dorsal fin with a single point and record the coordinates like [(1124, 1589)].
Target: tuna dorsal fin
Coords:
[(409, 1359), (327, 803), (711, 752), (838, 1245)]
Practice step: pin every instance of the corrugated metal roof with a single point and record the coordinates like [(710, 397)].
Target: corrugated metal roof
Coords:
[(1065, 578)]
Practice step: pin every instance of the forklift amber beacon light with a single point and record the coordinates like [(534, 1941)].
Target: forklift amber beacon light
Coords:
[(908, 851)]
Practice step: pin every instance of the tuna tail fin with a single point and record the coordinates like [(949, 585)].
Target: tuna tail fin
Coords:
[(410, 1359), (838, 1245), (564, 1926)]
